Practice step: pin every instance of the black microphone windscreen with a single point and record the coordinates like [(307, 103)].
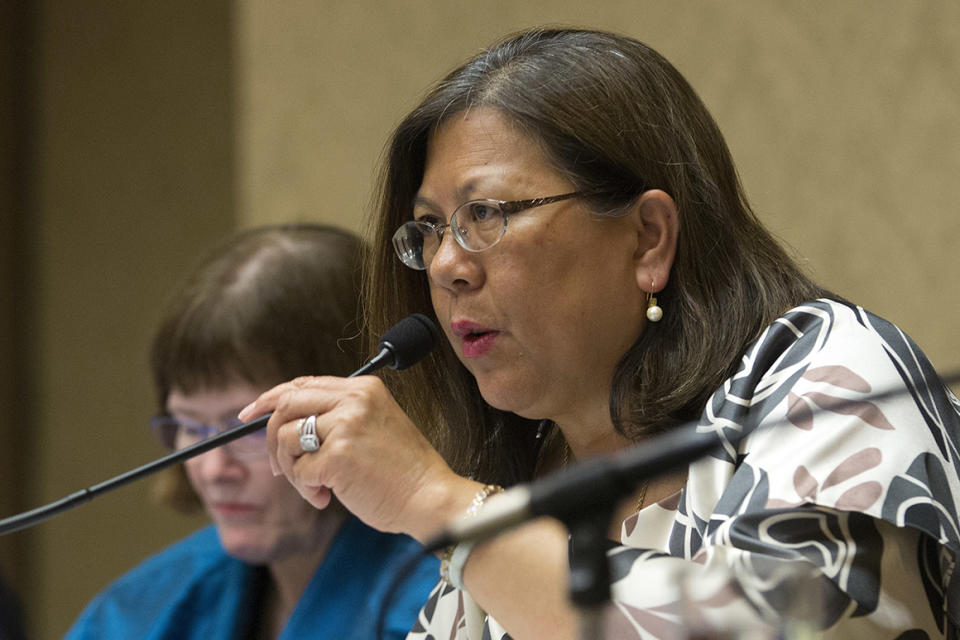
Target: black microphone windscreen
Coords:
[(410, 340)]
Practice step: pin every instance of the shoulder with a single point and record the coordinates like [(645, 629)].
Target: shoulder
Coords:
[(156, 589), (191, 557), (841, 409), (834, 346), (817, 331)]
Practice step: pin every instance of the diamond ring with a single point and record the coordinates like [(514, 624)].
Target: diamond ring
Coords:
[(307, 428)]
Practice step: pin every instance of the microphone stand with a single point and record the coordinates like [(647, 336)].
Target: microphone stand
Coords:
[(584, 498), (589, 569)]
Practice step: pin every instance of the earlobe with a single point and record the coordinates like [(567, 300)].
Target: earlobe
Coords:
[(658, 226)]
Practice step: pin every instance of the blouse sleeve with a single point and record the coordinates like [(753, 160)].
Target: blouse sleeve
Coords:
[(831, 505)]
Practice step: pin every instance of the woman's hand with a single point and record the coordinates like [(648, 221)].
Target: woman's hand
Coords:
[(372, 457)]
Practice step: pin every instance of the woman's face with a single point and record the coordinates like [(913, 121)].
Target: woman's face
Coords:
[(542, 318), (260, 518)]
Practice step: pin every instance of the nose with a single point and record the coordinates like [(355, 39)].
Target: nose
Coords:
[(217, 465), (453, 267)]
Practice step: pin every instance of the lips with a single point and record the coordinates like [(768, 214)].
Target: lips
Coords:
[(233, 508), (476, 339)]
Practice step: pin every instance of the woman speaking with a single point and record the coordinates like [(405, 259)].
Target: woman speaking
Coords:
[(567, 210)]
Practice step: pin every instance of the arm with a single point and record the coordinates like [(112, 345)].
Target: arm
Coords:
[(383, 470)]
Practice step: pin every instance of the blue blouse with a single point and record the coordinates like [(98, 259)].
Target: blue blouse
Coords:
[(194, 590)]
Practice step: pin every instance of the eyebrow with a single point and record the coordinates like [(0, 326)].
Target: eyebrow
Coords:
[(423, 201), (464, 193)]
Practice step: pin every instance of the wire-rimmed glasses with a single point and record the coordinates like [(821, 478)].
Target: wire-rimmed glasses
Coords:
[(477, 225), (180, 433)]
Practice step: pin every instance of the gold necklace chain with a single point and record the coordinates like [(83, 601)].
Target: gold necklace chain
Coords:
[(643, 490), (643, 496)]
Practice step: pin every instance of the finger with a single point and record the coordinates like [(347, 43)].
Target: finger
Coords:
[(287, 448), (289, 402), (268, 401), (306, 477), (318, 497)]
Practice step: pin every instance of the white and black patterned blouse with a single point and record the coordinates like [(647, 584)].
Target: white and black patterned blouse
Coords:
[(833, 504)]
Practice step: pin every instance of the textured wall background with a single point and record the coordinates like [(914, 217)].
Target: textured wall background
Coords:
[(162, 127), (843, 119)]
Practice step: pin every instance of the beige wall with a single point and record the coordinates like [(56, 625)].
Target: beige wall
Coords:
[(161, 126), (132, 170), (843, 119)]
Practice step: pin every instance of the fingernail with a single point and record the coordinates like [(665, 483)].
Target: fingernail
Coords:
[(246, 411), (274, 467)]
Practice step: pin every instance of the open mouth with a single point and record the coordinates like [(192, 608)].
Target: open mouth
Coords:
[(477, 343)]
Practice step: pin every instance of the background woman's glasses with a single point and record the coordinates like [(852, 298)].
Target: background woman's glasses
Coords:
[(180, 433)]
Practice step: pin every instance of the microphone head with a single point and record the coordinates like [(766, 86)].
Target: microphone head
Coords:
[(410, 340)]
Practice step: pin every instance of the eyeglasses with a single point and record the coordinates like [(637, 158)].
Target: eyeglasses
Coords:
[(477, 225), (180, 433)]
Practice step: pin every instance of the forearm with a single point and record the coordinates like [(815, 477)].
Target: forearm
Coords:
[(521, 579)]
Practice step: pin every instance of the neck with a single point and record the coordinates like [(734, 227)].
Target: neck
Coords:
[(290, 575), (587, 439), (598, 438)]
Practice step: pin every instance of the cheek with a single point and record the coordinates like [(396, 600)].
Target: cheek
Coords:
[(286, 503), (191, 469)]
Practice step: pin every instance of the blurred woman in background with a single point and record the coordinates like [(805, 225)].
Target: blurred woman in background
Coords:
[(270, 304)]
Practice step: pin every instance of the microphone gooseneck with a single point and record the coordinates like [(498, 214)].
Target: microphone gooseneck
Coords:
[(402, 346)]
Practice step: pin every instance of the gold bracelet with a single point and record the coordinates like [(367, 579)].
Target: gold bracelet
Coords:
[(455, 556)]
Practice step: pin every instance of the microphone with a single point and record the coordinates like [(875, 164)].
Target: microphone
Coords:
[(599, 482), (402, 346), (581, 488)]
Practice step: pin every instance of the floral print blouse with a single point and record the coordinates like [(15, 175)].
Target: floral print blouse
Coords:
[(831, 510)]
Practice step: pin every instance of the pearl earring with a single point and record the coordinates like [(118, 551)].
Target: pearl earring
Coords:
[(654, 312)]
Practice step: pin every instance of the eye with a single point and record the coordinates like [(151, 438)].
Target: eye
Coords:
[(482, 211), (432, 220), (193, 431)]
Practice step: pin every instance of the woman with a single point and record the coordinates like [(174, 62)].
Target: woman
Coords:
[(567, 209), (273, 303)]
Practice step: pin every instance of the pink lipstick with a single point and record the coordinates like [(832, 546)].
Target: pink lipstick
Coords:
[(233, 509), (476, 339)]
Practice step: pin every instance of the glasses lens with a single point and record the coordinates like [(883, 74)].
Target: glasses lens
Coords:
[(415, 244), (165, 429), (478, 225), (179, 434), (189, 433), (248, 447)]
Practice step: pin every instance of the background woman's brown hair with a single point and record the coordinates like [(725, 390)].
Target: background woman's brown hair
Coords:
[(269, 304)]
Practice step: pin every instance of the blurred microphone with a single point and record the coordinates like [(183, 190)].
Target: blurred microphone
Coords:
[(402, 346), (582, 488), (602, 481)]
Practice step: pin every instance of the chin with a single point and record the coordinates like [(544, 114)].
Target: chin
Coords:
[(246, 546), (507, 400)]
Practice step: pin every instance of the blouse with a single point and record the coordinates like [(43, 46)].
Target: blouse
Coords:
[(194, 589), (830, 509)]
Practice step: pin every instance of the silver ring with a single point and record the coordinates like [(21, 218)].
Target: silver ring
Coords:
[(307, 428)]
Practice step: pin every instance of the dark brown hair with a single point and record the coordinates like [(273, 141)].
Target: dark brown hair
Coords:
[(269, 304), (616, 119)]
